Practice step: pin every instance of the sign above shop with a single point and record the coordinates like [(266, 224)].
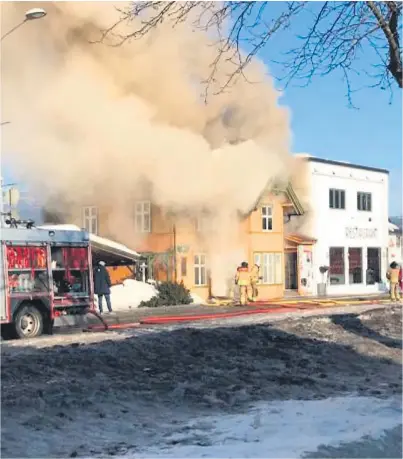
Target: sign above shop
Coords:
[(361, 233)]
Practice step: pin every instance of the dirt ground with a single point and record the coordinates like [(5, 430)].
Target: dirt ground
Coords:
[(66, 398)]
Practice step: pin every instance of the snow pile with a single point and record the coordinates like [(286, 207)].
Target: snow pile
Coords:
[(130, 294), (197, 299)]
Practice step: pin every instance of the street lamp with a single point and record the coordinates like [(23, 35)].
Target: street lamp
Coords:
[(30, 15), (35, 13)]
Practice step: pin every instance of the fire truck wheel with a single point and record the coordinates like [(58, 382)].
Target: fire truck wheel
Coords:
[(28, 322)]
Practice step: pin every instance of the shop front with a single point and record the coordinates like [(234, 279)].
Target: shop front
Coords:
[(356, 263)]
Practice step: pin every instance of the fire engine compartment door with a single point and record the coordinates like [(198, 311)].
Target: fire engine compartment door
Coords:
[(3, 298)]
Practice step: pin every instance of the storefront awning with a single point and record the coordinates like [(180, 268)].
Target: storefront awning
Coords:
[(299, 239)]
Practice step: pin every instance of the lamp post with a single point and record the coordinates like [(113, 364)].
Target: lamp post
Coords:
[(30, 15)]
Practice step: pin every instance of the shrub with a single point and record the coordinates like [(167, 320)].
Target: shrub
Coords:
[(169, 294)]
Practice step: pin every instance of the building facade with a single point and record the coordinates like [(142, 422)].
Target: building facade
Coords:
[(185, 248), (395, 250), (347, 214)]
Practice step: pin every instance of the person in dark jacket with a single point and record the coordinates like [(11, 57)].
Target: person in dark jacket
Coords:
[(102, 285)]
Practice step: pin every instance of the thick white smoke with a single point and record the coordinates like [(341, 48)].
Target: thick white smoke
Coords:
[(95, 123)]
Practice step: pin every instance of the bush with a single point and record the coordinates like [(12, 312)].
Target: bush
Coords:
[(169, 294)]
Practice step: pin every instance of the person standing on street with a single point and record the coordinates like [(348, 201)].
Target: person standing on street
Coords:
[(254, 279), (102, 286), (243, 280), (393, 277)]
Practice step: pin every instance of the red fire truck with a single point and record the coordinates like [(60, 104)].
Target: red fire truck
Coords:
[(45, 280)]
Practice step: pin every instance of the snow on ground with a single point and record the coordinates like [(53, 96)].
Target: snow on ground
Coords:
[(158, 392), (130, 294), (280, 429), (197, 299)]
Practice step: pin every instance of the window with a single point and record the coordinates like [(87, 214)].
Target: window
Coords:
[(183, 267), (200, 270), (90, 219), (271, 267), (142, 217), (336, 266), (355, 265), (364, 201), (337, 199), (267, 218), (373, 265)]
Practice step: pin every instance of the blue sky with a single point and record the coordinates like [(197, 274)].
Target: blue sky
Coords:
[(323, 125), (322, 122)]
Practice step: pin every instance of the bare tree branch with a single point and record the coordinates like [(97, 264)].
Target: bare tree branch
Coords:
[(337, 35)]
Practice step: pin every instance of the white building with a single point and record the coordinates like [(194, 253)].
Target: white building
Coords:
[(395, 251), (348, 217)]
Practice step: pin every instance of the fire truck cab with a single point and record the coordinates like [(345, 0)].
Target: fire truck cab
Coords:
[(45, 278)]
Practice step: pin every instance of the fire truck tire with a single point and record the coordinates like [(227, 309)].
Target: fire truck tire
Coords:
[(29, 322)]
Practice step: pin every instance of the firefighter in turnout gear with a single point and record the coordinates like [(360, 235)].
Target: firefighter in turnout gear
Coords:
[(243, 280), (254, 279)]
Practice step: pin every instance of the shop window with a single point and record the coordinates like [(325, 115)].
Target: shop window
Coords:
[(373, 274), (142, 216), (267, 218), (355, 265), (337, 199), (200, 270), (271, 267), (336, 266), (364, 201), (90, 219)]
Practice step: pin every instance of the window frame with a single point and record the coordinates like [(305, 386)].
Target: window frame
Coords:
[(198, 268), (333, 192), (141, 213), (344, 266), (277, 272), (361, 267), (267, 217), (91, 218), (363, 198)]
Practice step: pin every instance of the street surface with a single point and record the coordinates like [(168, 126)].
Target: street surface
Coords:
[(162, 390)]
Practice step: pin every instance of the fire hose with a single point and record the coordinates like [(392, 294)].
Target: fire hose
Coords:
[(105, 326)]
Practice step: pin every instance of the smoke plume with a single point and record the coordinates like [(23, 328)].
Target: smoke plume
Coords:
[(104, 125)]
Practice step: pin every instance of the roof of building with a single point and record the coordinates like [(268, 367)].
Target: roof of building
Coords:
[(290, 194), (113, 253), (343, 163)]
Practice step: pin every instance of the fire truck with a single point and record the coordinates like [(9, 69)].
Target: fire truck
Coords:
[(45, 279)]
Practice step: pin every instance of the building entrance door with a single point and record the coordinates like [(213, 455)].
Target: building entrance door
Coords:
[(291, 277)]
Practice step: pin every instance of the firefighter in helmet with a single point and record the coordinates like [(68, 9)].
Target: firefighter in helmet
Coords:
[(242, 279), (254, 279)]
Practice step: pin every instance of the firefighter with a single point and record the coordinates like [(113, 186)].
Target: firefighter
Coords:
[(234, 289), (393, 277), (254, 279), (243, 280)]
